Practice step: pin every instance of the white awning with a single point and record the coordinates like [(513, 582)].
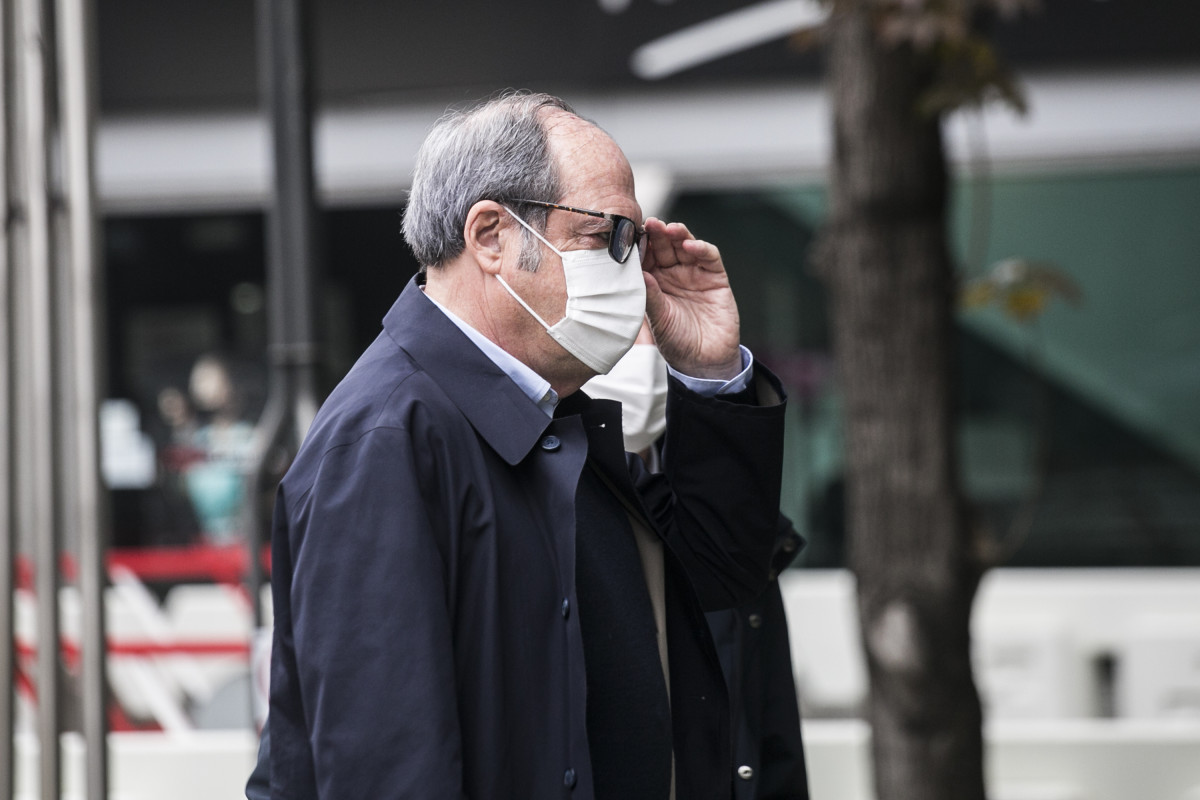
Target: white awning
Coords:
[(737, 137)]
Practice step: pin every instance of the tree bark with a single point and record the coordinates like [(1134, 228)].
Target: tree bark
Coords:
[(885, 258)]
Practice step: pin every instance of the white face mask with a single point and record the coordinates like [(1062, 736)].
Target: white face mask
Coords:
[(606, 303), (639, 383)]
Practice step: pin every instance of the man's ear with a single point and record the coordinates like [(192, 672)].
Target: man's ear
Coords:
[(486, 231)]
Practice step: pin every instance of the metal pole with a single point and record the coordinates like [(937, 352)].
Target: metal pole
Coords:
[(77, 37), (292, 349), (7, 369), (292, 251), (42, 454)]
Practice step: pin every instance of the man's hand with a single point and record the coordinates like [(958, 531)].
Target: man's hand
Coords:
[(690, 305)]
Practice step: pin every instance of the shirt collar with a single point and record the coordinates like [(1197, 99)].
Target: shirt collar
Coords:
[(535, 387)]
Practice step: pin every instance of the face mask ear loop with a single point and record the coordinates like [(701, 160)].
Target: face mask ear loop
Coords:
[(529, 228), (517, 297)]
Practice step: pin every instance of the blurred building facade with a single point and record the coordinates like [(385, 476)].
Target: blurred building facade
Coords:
[(1079, 440)]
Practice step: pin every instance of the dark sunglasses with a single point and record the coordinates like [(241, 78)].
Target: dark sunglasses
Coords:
[(621, 238)]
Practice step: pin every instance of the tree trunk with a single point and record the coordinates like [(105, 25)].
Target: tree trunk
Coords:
[(885, 258)]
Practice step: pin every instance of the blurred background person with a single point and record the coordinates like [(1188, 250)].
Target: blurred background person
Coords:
[(216, 483), (178, 452)]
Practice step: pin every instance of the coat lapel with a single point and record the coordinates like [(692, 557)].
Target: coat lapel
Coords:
[(496, 407)]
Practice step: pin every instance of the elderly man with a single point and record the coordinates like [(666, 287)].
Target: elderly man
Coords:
[(476, 593)]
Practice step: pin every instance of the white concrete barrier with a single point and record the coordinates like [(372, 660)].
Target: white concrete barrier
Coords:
[(1043, 760), (827, 655), (1159, 669), (1055, 644), (1028, 667), (1026, 760), (1094, 759), (199, 765)]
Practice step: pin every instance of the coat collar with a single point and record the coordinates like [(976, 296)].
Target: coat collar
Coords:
[(496, 407)]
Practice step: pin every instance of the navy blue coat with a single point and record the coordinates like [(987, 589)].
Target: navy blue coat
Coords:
[(423, 575)]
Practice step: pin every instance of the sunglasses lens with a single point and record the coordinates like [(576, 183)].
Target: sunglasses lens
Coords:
[(622, 239)]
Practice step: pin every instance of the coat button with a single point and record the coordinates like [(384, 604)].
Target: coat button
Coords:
[(755, 620), (566, 608), (745, 772), (551, 443), (569, 779)]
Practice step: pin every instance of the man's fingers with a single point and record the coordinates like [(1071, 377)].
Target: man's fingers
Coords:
[(655, 301), (659, 242), (701, 252), (673, 244), (666, 238), (679, 231)]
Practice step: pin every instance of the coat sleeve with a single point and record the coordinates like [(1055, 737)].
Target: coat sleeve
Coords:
[(362, 695), (717, 499)]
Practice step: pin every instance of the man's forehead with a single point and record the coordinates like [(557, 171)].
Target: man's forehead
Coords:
[(570, 133), (593, 167)]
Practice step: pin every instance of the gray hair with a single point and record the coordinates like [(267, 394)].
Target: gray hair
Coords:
[(497, 150)]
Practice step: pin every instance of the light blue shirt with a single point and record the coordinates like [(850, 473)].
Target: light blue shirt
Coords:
[(537, 388)]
